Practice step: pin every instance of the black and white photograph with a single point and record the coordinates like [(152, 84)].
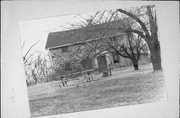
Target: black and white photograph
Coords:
[(90, 61)]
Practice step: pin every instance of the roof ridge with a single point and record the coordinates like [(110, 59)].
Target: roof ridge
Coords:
[(84, 27), (57, 39)]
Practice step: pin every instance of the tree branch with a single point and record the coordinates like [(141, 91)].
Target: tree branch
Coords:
[(30, 50), (130, 44), (125, 56), (137, 19), (136, 32)]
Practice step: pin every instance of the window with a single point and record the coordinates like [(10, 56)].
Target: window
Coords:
[(64, 49), (67, 66)]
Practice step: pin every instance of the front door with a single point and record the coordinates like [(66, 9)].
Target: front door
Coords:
[(102, 63)]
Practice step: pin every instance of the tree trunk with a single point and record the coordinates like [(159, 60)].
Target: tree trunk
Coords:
[(135, 64), (155, 56), (154, 43)]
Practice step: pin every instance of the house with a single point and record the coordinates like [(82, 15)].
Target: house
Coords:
[(64, 47)]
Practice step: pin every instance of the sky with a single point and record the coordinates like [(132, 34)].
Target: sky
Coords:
[(32, 31)]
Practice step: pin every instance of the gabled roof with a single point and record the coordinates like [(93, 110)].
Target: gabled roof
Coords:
[(70, 37)]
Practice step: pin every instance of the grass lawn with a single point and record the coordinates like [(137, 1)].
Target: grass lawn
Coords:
[(130, 87)]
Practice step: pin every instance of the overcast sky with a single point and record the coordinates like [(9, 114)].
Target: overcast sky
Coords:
[(33, 30)]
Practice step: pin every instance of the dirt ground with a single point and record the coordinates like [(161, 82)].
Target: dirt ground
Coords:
[(124, 87)]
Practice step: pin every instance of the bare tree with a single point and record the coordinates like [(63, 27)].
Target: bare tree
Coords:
[(150, 35), (145, 26), (27, 54), (28, 61), (130, 47), (39, 70), (36, 67)]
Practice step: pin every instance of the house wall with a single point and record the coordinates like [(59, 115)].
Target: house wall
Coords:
[(59, 58), (124, 61), (127, 62)]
